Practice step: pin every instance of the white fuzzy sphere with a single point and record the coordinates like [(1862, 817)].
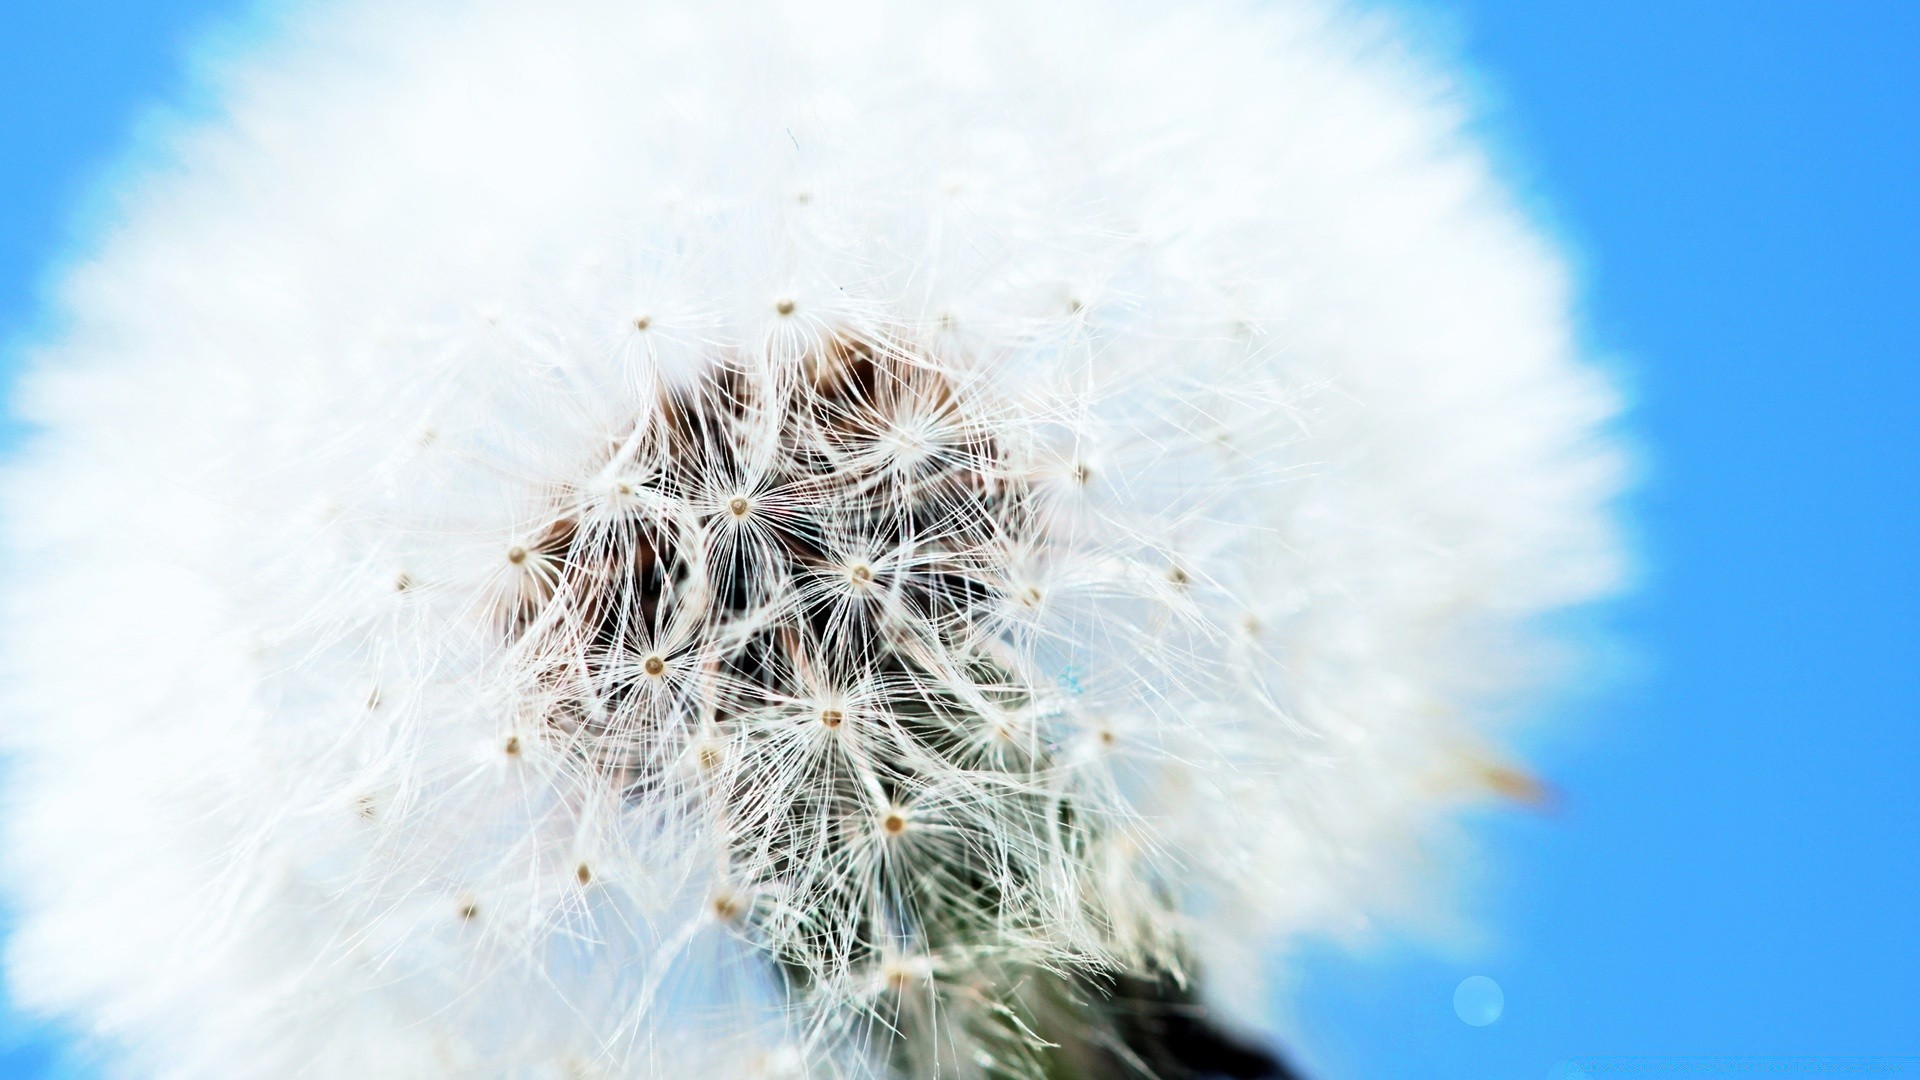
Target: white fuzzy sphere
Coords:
[(1221, 441)]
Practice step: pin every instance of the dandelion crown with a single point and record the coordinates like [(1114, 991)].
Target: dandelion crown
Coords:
[(753, 539)]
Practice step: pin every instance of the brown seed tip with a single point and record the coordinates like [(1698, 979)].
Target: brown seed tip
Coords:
[(654, 666), (513, 745), (1178, 576), (403, 581), (861, 573), (895, 823), (1519, 786), (641, 322), (516, 555), (738, 506), (469, 912), (832, 718), (582, 874), (726, 907), (784, 306)]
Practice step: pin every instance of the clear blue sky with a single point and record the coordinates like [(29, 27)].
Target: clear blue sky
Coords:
[(1737, 868)]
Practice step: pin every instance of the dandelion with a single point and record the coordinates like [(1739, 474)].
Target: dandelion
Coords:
[(762, 539)]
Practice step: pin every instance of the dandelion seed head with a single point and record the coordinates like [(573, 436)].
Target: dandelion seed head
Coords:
[(966, 520)]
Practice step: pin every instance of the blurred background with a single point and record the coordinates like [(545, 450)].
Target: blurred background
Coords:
[(1734, 869)]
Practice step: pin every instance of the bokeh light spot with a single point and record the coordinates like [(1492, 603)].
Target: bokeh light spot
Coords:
[(1478, 1000)]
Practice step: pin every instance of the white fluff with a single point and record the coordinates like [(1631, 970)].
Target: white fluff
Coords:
[(317, 768)]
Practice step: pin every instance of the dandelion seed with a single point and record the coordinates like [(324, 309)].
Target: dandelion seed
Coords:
[(903, 974)]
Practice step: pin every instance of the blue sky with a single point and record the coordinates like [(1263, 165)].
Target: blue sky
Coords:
[(1736, 870), (1738, 867)]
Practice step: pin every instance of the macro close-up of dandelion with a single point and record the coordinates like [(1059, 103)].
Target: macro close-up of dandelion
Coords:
[(860, 540), (762, 539)]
